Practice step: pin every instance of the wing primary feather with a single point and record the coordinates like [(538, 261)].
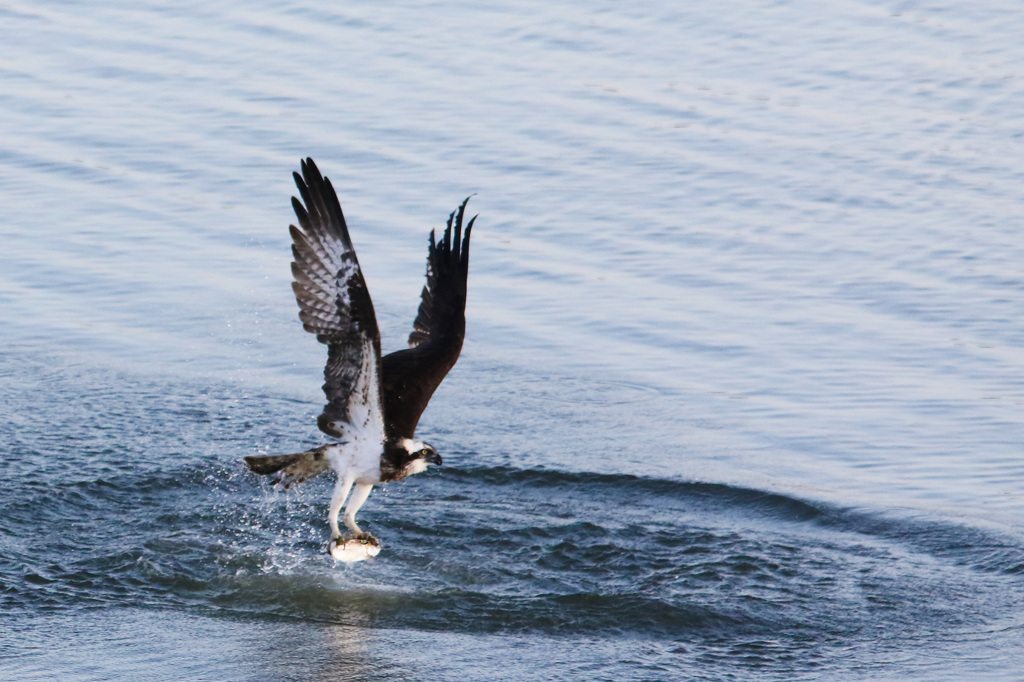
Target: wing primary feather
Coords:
[(464, 256), (458, 232)]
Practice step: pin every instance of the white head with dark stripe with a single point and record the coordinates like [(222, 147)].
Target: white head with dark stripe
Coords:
[(408, 457)]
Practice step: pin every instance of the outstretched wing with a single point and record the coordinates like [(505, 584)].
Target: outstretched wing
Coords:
[(411, 376), (335, 304)]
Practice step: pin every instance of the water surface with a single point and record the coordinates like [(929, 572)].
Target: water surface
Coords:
[(741, 396)]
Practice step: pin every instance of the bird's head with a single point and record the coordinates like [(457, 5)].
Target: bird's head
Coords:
[(416, 456)]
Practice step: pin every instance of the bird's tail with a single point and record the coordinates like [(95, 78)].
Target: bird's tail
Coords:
[(291, 469)]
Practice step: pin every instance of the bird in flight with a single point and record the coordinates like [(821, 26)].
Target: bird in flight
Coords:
[(373, 403)]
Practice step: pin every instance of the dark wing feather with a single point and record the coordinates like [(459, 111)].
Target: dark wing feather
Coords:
[(334, 302), (411, 376)]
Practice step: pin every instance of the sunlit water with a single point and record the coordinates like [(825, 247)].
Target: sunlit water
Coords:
[(743, 390)]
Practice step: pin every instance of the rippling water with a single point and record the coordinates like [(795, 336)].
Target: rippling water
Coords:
[(742, 391)]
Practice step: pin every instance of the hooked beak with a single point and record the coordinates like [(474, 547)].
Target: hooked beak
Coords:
[(434, 458)]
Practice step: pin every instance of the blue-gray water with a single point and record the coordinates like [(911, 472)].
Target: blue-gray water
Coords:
[(743, 390)]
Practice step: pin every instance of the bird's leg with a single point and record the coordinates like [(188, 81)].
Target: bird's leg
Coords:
[(341, 490), (359, 496)]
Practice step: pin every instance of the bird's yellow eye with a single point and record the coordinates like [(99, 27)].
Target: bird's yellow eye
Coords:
[(424, 452)]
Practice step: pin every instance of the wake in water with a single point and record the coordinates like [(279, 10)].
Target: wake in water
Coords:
[(506, 550), (707, 569)]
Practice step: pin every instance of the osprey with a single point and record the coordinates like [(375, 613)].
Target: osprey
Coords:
[(373, 403)]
